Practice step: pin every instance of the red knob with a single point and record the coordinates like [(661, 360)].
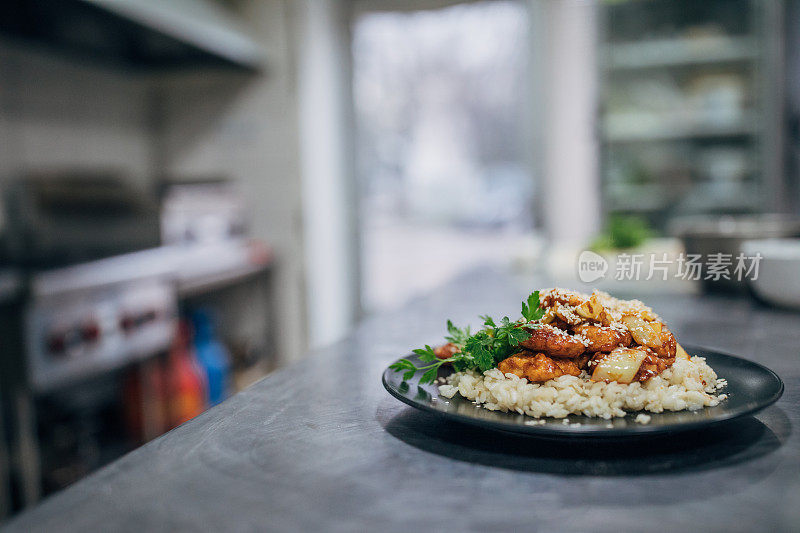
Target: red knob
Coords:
[(90, 331), (57, 343), (127, 322)]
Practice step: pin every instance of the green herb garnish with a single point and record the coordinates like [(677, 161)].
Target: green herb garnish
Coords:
[(426, 355), (457, 336), (481, 351), (531, 311)]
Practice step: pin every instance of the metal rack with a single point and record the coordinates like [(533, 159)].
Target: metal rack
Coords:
[(689, 121)]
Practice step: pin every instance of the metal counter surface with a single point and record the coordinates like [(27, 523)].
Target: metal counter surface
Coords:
[(320, 445)]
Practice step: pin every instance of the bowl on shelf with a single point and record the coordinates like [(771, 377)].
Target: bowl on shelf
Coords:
[(778, 280), (707, 235)]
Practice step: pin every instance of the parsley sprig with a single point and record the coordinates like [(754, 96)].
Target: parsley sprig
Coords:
[(483, 350), (430, 371), (457, 336), (531, 311)]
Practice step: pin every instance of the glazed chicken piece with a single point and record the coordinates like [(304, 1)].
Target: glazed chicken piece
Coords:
[(603, 338), (446, 351), (653, 366), (539, 367), (553, 341), (668, 344)]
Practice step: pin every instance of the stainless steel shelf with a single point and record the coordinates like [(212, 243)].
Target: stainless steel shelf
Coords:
[(206, 270), (193, 268), (705, 196), (676, 131), (720, 196), (637, 197), (667, 53), (137, 34), (198, 24)]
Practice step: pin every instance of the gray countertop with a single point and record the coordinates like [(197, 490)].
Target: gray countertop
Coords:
[(321, 445)]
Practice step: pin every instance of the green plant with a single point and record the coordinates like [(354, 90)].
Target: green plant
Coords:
[(623, 231)]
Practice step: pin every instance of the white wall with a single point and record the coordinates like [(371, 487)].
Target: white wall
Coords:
[(245, 127), (57, 112), (286, 137)]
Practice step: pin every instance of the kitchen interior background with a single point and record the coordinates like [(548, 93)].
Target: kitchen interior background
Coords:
[(197, 192)]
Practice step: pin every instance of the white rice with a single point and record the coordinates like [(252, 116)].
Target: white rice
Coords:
[(686, 385)]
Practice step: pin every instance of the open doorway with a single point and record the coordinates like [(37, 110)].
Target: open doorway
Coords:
[(444, 183)]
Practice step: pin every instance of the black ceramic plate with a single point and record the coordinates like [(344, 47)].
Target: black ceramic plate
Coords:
[(751, 387)]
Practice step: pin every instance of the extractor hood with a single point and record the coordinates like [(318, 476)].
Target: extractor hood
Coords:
[(135, 33)]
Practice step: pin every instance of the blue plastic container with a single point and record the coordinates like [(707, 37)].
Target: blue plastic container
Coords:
[(213, 357)]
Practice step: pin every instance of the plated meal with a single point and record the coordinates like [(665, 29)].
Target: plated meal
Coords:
[(570, 354)]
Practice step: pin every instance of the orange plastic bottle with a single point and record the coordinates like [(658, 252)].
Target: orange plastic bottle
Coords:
[(187, 397)]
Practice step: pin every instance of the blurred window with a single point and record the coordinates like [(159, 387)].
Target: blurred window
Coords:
[(443, 184)]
